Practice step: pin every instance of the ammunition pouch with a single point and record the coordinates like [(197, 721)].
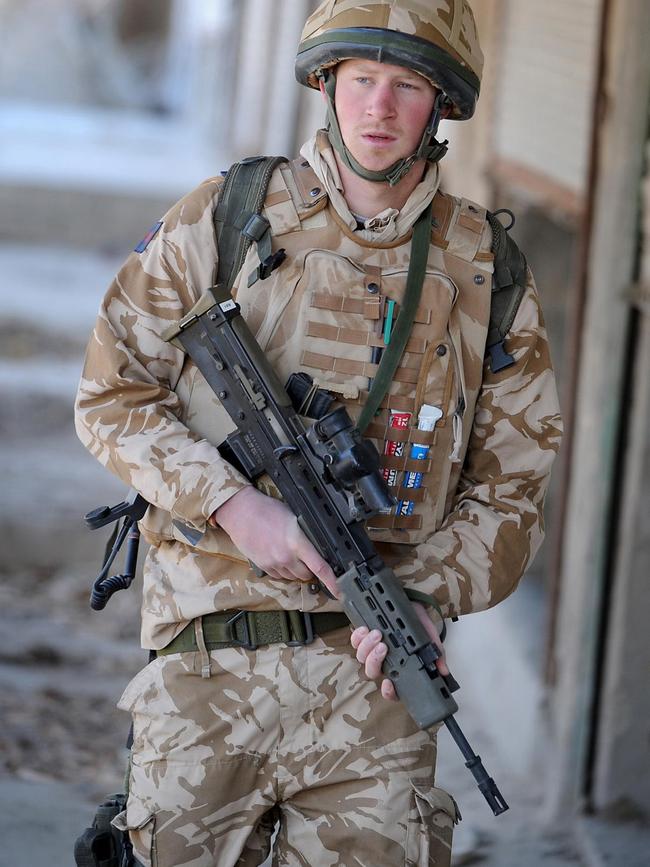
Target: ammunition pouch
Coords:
[(102, 845)]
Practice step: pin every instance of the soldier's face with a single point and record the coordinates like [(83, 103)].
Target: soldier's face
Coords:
[(382, 110)]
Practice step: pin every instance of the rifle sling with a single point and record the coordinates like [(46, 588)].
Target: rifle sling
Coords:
[(393, 353)]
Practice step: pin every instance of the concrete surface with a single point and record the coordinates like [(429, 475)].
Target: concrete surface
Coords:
[(39, 819)]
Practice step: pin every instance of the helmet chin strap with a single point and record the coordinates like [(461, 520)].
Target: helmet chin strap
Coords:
[(429, 149)]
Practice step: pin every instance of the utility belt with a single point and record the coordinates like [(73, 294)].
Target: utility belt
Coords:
[(253, 629)]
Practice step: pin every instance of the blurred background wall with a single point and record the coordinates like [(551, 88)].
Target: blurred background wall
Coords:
[(112, 109)]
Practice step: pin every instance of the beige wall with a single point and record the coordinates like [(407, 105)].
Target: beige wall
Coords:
[(545, 82), (465, 169), (602, 647)]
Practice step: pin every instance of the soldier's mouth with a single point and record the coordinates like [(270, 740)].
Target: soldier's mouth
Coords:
[(378, 138)]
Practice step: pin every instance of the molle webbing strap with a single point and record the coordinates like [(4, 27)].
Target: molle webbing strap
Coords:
[(236, 217), (508, 287), (392, 354)]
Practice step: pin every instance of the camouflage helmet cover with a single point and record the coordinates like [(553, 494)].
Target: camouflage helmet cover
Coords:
[(436, 38)]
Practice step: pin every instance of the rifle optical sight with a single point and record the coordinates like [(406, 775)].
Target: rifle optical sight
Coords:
[(351, 461)]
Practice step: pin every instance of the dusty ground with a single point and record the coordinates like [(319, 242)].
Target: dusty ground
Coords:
[(63, 667)]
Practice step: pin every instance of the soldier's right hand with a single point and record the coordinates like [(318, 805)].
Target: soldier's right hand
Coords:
[(266, 532), (371, 651)]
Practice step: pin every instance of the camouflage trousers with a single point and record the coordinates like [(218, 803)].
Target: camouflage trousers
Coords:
[(283, 749)]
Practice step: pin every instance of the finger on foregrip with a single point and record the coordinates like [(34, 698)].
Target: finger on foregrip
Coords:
[(388, 690), (367, 644), (375, 660), (358, 635)]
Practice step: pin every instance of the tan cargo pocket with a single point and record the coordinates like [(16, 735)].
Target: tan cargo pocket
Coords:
[(140, 824), (135, 690), (430, 827)]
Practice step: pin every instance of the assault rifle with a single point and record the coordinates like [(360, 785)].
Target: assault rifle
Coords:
[(329, 477)]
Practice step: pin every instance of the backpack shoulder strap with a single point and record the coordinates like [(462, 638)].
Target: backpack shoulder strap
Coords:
[(508, 287), (237, 217)]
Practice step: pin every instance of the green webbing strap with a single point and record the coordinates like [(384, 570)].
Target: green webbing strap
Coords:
[(253, 628), (427, 599), (401, 333), (236, 217)]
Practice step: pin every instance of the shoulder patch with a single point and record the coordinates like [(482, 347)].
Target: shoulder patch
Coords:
[(148, 238)]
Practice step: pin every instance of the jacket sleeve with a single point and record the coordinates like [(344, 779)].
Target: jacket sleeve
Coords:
[(495, 521), (127, 413)]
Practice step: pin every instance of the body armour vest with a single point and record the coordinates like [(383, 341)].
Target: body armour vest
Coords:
[(325, 311)]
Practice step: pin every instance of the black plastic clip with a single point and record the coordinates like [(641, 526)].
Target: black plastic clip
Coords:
[(268, 266), (133, 507)]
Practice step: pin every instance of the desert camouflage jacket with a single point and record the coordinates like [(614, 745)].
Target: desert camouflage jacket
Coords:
[(147, 414)]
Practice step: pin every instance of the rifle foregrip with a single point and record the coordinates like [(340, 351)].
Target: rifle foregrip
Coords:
[(378, 601)]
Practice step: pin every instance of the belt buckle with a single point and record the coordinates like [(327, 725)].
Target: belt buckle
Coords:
[(308, 626), (242, 616)]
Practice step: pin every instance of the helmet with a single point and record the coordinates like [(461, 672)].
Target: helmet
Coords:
[(436, 38)]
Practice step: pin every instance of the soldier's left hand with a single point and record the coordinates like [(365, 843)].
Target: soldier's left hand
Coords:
[(371, 651)]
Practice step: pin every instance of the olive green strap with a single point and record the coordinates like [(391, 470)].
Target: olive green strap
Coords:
[(237, 217), (427, 599), (402, 331), (251, 629)]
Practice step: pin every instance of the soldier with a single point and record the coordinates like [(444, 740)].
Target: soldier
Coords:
[(229, 742)]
